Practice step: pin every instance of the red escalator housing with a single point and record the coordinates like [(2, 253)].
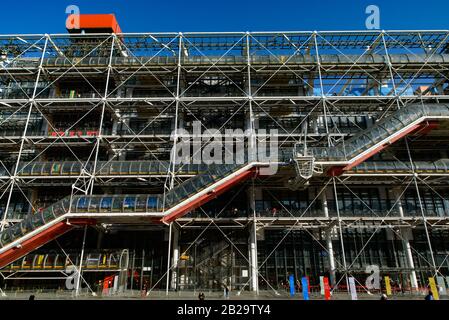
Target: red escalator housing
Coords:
[(419, 129), (40, 239), (192, 205)]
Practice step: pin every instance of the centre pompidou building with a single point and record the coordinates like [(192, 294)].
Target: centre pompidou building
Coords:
[(89, 181)]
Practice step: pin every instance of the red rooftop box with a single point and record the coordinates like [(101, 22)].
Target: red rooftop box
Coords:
[(95, 23)]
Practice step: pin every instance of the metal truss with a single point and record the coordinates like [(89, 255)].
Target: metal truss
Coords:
[(80, 96)]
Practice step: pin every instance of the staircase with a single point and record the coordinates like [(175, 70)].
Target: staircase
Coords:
[(413, 119), (40, 228)]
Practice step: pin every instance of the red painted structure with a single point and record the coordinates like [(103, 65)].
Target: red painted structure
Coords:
[(40, 239), (418, 129), (95, 23), (192, 205)]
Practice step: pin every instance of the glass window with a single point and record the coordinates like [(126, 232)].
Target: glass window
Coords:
[(115, 167), (48, 214), (58, 210), (6, 237), (117, 204), (106, 204), (103, 168), (26, 171), (76, 168), (94, 204), (135, 167), (46, 168), (141, 204), (153, 168), (152, 202), (37, 168), (125, 168), (82, 204), (56, 168), (66, 168), (129, 203)]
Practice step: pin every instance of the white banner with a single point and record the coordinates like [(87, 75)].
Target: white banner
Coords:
[(322, 285), (352, 288), (441, 286)]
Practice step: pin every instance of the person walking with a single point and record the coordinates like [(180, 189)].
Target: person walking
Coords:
[(429, 296), (226, 290), (144, 289)]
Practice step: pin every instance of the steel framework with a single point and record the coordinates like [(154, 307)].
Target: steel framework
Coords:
[(99, 116)]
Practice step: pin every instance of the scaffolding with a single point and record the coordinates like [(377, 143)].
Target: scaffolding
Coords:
[(89, 126)]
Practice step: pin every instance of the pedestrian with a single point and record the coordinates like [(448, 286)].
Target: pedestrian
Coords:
[(226, 289), (144, 289), (109, 287), (100, 287), (429, 296)]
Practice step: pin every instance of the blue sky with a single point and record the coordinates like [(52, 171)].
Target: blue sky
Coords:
[(28, 16)]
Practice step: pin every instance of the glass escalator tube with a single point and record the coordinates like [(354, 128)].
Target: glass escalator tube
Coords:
[(124, 168), (55, 169), (28, 224), (206, 180), (37, 220), (181, 192), (129, 203), (46, 168), (117, 204), (114, 168), (66, 168), (102, 168), (37, 169), (16, 231), (25, 169), (134, 167), (106, 204), (141, 202), (48, 215), (153, 168), (442, 165), (169, 200), (58, 209), (94, 204), (5, 237), (152, 203), (75, 170), (82, 205)]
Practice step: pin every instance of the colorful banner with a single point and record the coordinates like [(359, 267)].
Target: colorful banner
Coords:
[(433, 288), (327, 289), (441, 286), (322, 285), (352, 287), (388, 285), (305, 288), (292, 285)]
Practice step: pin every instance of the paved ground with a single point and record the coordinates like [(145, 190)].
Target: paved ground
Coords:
[(161, 295)]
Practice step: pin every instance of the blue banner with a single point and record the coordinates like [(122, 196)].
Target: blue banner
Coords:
[(292, 285), (305, 288)]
